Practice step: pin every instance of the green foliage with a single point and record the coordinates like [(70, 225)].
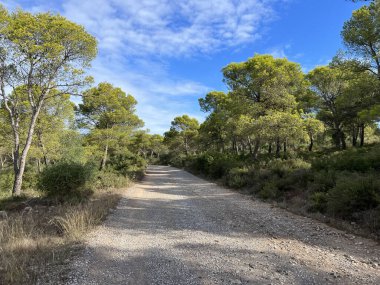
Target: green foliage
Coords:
[(239, 177), (361, 160), (131, 166), (6, 181), (47, 56), (269, 190), (182, 136), (109, 180), (66, 180), (214, 165), (322, 181), (354, 193), (318, 202), (110, 115), (360, 33), (282, 167)]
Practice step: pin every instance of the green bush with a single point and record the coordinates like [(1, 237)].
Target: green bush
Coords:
[(360, 160), (66, 180), (318, 202), (352, 194), (127, 165), (322, 181), (239, 177), (269, 191), (108, 180), (214, 165), (6, 181), (221, 164), (283, 166), (200, 163), (30, 179)]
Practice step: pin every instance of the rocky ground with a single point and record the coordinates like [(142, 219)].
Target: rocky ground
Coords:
[(175, 228)]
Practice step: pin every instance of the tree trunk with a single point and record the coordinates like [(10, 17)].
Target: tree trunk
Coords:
[(343, 140), (355, 136), (362, 134), (250, 146), (42, 146), (104, 160), (278, 147), (285, 147), (256, 149), (311, 143), (39, 165), (20, 162), (270, 148)]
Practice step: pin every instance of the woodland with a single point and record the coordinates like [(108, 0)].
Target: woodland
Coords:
[(306, 141)]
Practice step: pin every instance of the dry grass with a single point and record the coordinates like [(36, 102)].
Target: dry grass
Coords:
[(35, 246)]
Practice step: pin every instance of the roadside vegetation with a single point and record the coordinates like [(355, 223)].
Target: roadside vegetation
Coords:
[(307, 141), (62, 165)]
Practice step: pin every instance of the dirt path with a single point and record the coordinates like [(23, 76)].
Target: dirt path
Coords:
[(174, 228)]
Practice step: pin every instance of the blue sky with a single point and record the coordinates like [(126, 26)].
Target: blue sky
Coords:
[(167, 53)]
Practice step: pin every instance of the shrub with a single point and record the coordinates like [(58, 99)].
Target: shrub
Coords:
[(127, 165), (6, 181), (65, 180), (200, 163), (318, 201), (30, 179), (294, 180), (322, 181), (221, 164), (269, 191), (108, 180), (352, 194), (360, 160), (284, 166), (239, 177)]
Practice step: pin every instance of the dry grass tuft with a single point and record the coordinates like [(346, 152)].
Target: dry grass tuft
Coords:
[(34, 246)]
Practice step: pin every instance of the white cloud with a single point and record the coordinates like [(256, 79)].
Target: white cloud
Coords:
[(280, 51), (137, 38), (170, 28)]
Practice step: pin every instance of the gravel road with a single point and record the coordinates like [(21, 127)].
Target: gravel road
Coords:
[(175, 228)]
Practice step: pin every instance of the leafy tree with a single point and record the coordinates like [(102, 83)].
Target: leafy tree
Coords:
[(313, 128), (156, 145), (42, 52), (142, 143), (56, 115), (110, 114), (362, 37), (182, 134), (329, 84), (271, 85)]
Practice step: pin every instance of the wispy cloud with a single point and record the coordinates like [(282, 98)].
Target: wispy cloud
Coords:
[(137, 40), (171, 28)]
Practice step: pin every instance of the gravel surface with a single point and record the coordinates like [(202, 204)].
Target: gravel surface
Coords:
[(175, 228)]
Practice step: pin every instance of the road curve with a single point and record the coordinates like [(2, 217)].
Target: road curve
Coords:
[(175, 228)]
